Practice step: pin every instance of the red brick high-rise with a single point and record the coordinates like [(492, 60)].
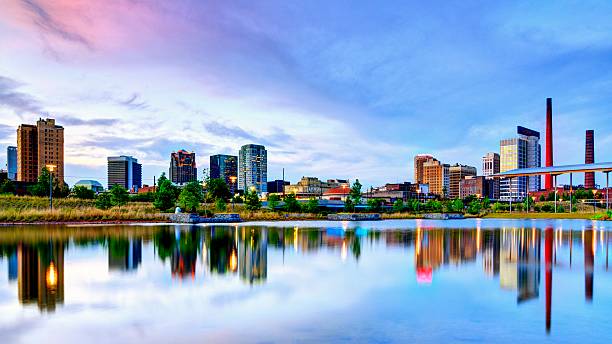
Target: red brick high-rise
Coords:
[(548, 179), (589, 158)]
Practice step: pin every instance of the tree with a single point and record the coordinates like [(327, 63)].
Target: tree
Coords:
[(60, 190), (444, 192), (312, 206), (434, 206), (355, 193), (7, 186), (216, 188), (119, 195), (497, 207), (252, 201), (273, 201), (103, 201), (457, 206), (398, 206), (191, 195), (291, 203), (375, 205), (486, 203), (166, 194), (82, 192), (474, 207), (41, 188), (349, 206)]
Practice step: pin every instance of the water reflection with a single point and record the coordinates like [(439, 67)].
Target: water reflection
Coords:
[(40, 274), (511, 256)]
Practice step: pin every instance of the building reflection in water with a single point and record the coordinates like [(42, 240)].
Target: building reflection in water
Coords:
[(253, 255), (124, 254), (511, 254), (40, 274), (589, 244), (222, 251)]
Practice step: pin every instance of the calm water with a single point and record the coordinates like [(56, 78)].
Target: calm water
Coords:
[(392, 281)]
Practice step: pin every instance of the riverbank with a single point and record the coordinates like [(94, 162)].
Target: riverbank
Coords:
[(30, 210), (560, 216)]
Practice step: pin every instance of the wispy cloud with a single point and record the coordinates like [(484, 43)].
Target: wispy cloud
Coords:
[(47, 24), (17, 101), (71, 120), (229, 131), (133, 102), (6, 131), (277, 137)]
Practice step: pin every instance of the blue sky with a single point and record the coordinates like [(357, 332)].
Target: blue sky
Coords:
[(334, 89)]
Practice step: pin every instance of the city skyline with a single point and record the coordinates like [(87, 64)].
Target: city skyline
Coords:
[(325, 96)]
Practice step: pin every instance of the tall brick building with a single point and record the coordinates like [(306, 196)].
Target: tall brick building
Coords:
[(38, 146)]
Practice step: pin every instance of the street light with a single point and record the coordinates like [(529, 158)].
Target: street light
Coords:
[(50, 168)]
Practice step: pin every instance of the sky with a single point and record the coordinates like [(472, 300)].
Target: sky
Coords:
[(333, 89)]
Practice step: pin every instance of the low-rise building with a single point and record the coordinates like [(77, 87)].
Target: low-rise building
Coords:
[(277, 186), (90, 184), (309, 187), (478, 186)]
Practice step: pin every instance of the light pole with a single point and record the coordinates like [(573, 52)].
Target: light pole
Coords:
[(50, 168), (233, 181)]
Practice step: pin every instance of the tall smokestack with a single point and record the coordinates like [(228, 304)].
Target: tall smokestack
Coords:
[(548, 180), (589, 158)]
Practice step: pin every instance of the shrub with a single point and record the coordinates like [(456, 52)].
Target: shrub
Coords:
[(291, 204), (375, 205), (273, 201), (398, 206), (220, 204), (312, 206), (82, 192), (119, 195), (103, 201)]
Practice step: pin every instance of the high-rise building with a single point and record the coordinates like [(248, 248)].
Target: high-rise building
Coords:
[(183, 167), (225, 167), (253, 170), (436, 175), (458, 172), (490, 166), (124, 171), (548, 179), (38, 147), (520, 152), (419, 160), (11, 162), (589, 158)]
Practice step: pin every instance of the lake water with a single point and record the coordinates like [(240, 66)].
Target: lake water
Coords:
[(491, 281)]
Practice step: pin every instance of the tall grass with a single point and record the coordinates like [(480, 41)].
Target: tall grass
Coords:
[(36, 209)]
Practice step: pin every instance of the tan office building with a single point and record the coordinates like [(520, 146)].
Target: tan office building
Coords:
[(433, 174), (457, 173), (38, 146), (419, 160)]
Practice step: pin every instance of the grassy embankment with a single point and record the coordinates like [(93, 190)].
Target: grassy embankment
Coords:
[(36, 209), (27, 209)]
